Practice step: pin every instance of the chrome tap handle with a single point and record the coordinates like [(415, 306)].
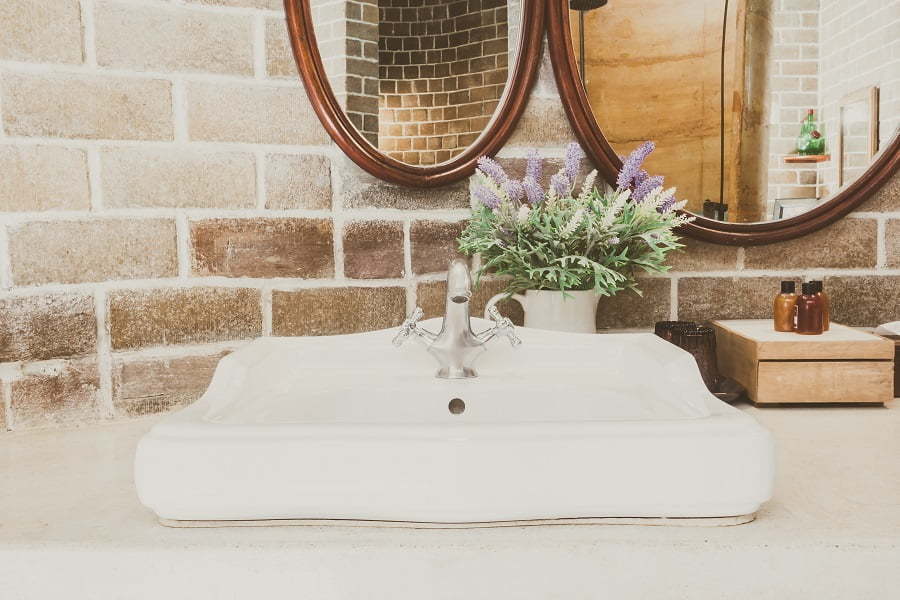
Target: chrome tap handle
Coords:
[(410, 327), (503, 326)]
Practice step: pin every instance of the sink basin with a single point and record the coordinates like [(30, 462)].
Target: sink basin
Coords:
[(566, 426)]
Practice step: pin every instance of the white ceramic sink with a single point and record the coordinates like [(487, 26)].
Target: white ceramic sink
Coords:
[(349, 427)]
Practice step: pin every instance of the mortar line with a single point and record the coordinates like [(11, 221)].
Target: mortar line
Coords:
[(261, 191), (673, 299), (88, 33), (104, 359), (259, 47), (179, 111), (182, 246), (95, 179), (6, 280), (265, 306)]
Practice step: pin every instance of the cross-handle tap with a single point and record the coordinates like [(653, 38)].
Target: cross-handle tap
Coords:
[(456, 346)]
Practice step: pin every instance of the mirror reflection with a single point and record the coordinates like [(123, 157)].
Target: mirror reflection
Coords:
[(419, 79), (761, 109)]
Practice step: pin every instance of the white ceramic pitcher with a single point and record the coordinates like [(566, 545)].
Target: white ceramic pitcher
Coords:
[(549, 309)]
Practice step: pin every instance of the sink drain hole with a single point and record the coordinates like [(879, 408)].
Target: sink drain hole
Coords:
[(457, 406)]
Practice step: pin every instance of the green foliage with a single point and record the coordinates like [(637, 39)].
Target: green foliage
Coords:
[(597, 240)]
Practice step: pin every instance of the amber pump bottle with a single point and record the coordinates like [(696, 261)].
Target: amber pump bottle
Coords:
[(809, 311), (785, 309), (818, 286)]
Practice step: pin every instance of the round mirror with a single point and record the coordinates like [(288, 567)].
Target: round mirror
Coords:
[(761, 110), (416, 90)]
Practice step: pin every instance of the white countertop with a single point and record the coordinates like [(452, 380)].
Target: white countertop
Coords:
[(71, 526)]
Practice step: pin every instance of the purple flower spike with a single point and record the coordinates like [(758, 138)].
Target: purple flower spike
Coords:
[(514, 191), (667, 205), (561, 184), (487, 197), (535, 167), (574, 154), (632, 165), (646, 186), (492, 169), (533, 192), (639, 178)]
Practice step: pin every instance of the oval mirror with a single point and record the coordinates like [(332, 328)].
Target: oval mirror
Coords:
[(414, 91), (772, 117)]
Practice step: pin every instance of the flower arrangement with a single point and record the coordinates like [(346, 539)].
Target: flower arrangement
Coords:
[(572, 237)]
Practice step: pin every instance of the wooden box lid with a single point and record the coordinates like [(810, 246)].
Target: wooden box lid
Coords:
[(839, 343)]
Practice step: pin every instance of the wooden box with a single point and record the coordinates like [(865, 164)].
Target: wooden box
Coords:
[(842, 365)]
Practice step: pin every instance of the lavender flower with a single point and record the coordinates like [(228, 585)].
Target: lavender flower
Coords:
[(561, 184), (574, 154), (493, 170), (632, 165), (514, 191), (487, 197), (645, 187), (534, 168), (640, 177), (667, 205), (533, 191)]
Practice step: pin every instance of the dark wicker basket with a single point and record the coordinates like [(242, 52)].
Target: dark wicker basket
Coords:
[(586, 4)]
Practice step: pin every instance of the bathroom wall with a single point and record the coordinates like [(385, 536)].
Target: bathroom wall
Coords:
[(858, 48), (795, 85), (166, 194), (443, 67)]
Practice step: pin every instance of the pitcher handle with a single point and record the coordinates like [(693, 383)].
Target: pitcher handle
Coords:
[(497, 298)]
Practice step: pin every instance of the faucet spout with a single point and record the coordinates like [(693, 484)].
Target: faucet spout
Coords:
[(459, 282)]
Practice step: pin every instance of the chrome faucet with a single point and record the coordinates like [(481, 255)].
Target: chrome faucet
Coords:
[(456, 346)]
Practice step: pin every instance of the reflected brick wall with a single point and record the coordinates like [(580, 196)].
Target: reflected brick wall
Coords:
[(442, 70)]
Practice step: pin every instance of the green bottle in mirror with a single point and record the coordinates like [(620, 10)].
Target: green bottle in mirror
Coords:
[(811, 140)]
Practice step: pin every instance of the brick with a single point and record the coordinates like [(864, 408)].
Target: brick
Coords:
[(433, 245), (709, 298), (96, 250), (37, 30), (298, 181), (362, 190), (158, 317), (262, 248), (887, 198), (544, 123), (87, 106), (627, 310), (57, 393), (172, 39), (864, 301), (152, 385), (47, 326), (279, 55), (848, 243), (373, 250), (332, 311), (892, 243), (37, 178), (702, 256), (431, 296), (256, 114), (177, 178)]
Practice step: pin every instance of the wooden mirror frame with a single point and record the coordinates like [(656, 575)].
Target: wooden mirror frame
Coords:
[(342, 131), (598, 149)]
